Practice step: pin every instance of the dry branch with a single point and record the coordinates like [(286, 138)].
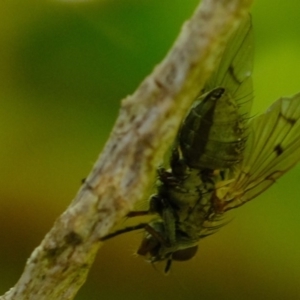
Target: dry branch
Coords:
[(59, 265)]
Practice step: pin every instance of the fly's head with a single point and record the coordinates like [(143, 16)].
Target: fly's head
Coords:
[(156, 246)]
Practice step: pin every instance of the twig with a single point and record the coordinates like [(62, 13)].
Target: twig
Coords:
[(147, 123)]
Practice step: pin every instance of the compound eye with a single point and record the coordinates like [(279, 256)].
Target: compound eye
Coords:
[(185, 254)]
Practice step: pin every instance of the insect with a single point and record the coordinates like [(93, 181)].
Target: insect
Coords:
[(221, 157)]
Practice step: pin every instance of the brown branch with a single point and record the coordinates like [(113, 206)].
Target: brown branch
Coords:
[(147, 123)]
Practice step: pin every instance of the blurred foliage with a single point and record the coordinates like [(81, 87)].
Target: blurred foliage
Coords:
[(65, 66)]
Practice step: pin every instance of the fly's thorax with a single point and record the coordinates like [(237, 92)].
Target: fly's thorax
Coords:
[(185, 195), (213, 133)]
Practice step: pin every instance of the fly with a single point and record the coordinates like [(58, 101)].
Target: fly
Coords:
[(221, 158)]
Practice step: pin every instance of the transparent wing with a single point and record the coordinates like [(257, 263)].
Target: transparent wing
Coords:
[(273, 147), (235, 67)]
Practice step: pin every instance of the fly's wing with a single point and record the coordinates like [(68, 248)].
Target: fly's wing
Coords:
[(235, 67), (272, 148)]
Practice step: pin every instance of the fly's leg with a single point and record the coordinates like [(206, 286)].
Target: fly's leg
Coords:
[(166, 177), (145, 226), (168, 265), (124, 230), (161, 206), (169, 222), (155, 207), (137, 213), (158, 206)]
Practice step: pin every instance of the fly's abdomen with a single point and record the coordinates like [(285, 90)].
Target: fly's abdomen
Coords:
[(213, 135)]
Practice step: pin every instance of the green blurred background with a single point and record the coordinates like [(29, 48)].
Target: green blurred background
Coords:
[(64, 66)]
